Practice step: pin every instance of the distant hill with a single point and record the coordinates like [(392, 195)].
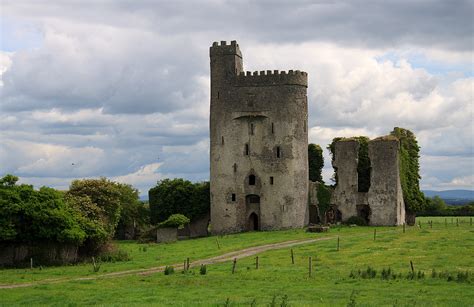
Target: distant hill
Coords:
[(452, 197)]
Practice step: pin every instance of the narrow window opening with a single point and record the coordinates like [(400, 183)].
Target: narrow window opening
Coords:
[(251, 129), (273, 129), (271, 180), (235, 167), (252, 180), (222, 140), (278, 152), (246, 149), (233, 196), (217, 94)]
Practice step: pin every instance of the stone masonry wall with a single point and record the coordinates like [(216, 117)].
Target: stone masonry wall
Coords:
[(385, 196)]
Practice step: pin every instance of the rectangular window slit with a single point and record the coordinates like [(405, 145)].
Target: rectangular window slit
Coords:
[(246, 149), (278, 152), (217, 94), (233, 197), (222, 140), (251, 129), (273, 129), (271, 180)]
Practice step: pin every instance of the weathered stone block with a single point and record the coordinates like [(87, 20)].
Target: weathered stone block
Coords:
[(166, 235)]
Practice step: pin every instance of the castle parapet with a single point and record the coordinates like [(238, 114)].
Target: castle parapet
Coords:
[(224, 49), (269, 77)]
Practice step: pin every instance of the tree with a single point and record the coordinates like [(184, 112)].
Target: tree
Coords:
[(315, 162), (178, 196), (28, 216), (8, 180), (104, 194), (134, 215)]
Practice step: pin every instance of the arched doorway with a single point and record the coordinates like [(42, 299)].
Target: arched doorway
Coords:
[(252, 224), (252, 203)]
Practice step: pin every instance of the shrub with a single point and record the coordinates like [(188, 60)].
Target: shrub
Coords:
[(357, 220), (169, 270), (175, 220), (203, 269)]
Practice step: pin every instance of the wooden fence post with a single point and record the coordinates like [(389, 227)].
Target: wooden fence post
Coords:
[(256, 262), (310, 266), (218, 245), (470, 221), (31, 263), (233, 265), (412, 268), (184, 265), (375, 233), (337, 243), (187, 264), (292, 257)]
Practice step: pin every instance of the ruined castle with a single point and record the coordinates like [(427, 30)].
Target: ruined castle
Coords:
[(259, 154), (382, 203)]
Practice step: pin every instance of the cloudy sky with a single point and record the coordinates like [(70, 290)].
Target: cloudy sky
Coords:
[(121, 88)]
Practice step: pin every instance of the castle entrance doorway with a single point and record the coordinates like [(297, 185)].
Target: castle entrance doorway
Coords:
[(252, 202), (252, 224)]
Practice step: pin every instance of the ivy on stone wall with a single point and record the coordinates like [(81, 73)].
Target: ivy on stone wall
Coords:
[(410, 170), (332, 148), (363, 164)]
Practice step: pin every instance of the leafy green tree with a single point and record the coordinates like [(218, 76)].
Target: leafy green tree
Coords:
[(410, 170), (27, 215), (104, 194), (8, 180), (92, 221), (173, 196), (315, 163), (435, 205), (135, 215)]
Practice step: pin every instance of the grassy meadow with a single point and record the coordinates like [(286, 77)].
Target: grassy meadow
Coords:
[(447, 247)]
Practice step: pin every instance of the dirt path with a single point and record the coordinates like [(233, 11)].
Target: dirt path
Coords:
[(217, 259)]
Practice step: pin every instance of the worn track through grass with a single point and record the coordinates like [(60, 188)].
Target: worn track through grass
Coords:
[(243, 253)]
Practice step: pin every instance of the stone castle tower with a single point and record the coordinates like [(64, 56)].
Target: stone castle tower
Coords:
[(259, 145)]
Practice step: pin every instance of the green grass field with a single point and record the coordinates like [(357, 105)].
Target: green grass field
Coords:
[(447, 246)]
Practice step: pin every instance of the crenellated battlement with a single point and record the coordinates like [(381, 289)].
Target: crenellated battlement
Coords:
[(224, 49), (272, 77)]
